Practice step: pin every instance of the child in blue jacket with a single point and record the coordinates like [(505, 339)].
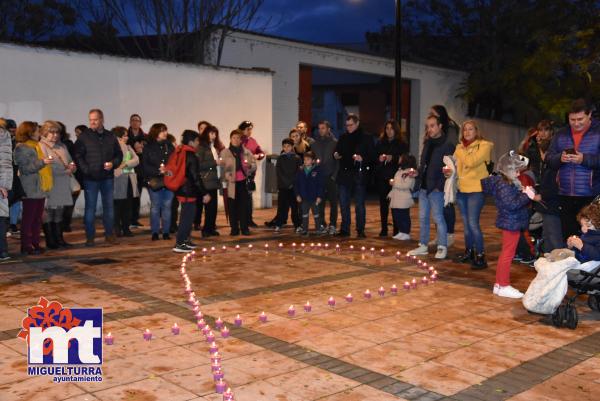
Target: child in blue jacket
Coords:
[(587, 247), (309, 192)]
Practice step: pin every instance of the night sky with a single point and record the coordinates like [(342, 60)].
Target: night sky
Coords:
[(330, 21)]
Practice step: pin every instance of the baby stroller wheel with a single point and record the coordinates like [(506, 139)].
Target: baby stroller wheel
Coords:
[(558, 316), (594, 302), (571, 317)]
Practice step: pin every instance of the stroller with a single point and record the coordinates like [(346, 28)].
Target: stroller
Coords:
[(582, 282)]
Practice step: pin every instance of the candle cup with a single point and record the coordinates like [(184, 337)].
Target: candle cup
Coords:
[(307, 307), (381, 291), (382, 252), (394, 289), (224, 248), (147, 335), (213, 348), (210, 337), (263, 317), (351, 247), (425, 280), (198, 314), (337, 248), (218, 375), (200, 323), (331, 302), (434, 277), (215, 366), (349, 298), (291, 311), (250, 246), (367, 294), (228, 395), (237, 247), (280, 245), (225, 332), (216, 357), (206, 329), (406, 285), (220, 386), (398, 255), (363, 249), (175, 329), (413, 283), (238, 321), (219, 323), (372, 250), (109, 339)]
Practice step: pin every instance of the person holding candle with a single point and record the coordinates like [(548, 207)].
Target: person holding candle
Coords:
[(209, 164), (97, 152), (202, 126), (356, 152), (323, 146), (126, 187), (473, 155), (308, 188), (238, 163), (286, 168), (258, 154), (390, 146), (59, 196), (155, 156), (401, 198), (138, 147)]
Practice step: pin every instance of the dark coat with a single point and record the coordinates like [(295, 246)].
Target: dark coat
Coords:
[(385, 171), (548, 189), (154, 154), (309, 186), (431, 176), (591, 247), (350, 170), (324, 148), (511, 203), (208, 167), (286, 169), (92, 150), (577, 179), (192, 186)]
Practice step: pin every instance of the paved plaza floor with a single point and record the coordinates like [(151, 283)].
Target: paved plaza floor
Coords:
[(449, 340)]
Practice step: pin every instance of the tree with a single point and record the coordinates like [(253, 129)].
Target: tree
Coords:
[(30, 21)]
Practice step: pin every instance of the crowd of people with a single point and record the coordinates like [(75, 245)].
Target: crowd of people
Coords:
[(551, 176)]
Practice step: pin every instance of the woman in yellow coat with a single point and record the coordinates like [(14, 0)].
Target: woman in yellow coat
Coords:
[(473, 155)]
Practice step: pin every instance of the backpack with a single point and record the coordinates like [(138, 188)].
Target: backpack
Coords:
[(174, 177)]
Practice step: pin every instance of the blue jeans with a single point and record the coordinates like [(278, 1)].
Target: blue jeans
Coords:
[(160, 209), (92, 188), (346, 192), (15, 212), (552, 232), (470, 204), (432, 203)]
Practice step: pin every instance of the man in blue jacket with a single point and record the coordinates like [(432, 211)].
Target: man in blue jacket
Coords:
[(575, 153)]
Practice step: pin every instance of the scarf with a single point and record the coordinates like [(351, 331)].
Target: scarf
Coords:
[(236, 151), (307, 169), (45, 172), (466, 143)]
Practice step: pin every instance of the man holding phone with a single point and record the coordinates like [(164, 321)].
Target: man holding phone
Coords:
[(575, 153)]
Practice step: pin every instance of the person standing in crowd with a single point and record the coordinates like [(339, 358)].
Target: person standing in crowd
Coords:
[(35, 173), (59, 196), (191, 189), (302, 128), (400, 196), (209, 162), (135, 129), (308, 189), (473, 155), (126, 187), (431, 193), (388, 150), (202, 125), (301, 146), (16, 207), (76, 187), (238, 164), (548, 189), (257, 153), (138, 148), (286, 168), (323, 146), (451, 129), (155, 156), (6, 180), (356, 152), (529, 149), (175, 201), (97, 152), (574, 153)]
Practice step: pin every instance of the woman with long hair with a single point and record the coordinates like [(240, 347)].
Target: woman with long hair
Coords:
[(209, 164), (126, 185), (390, 146)]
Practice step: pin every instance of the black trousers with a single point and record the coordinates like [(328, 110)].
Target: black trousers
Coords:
[(186, 221), (174, 214), (68, 211), (569, 208), (198, 214), (210, 212), (450, 217), (238, 208), (383, 189), (402, 221), (123, 211), (286, 200), (331, 196)]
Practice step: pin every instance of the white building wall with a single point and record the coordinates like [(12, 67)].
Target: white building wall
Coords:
[(39, 84)]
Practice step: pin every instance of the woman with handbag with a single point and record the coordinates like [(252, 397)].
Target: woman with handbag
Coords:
[(126, 188), (210, 174), (35, 173), (238, 164), (258, 154), (59, 196), (155, 156)]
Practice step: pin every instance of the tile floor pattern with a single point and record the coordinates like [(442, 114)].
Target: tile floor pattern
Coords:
[(452, 340)]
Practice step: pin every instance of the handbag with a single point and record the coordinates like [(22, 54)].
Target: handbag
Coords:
[(250, 184), (74, 184), (156, 183)]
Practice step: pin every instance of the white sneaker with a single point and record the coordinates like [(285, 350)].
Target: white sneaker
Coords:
[(433, 242), (442, 252), (420, 250), (402, 237), (496, 288), (509, 292), (332, 230), (450, 240)]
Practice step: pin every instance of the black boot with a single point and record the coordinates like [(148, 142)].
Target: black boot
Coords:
[(58, 235), (479, 262), (466, 257), (49, 236), (67, 217)]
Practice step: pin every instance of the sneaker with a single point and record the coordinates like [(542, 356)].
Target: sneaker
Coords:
[(89, 242), (332, 230), (517, 258), (4, 257), (182, 248), (496, 288), (8, 234), (450, 240), (402, 237), (14, 229), (527, 260), (422, 249), (322, 231), (508, 292), (277, 229), (441, 253), (299, 230), (190, 244), (302, 232)]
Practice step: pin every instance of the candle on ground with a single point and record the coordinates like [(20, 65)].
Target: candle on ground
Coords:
[(220, 386), (291, 311), (349, 297), (425, 280), (238, 321), (331, 302), (307, 307), (175, 329), (381, 291), (216, 357), (280, 245), (394, 289), (225, 332), (147, 335), (109, 339), (218, 374), (262, 317), (206, 329), (219, 323), (215, 366), (228, 395), (213, 347), (382, 252), (200, 323), (210, 337), (367, 294), (413, 283), (406, 285), (237, 247)]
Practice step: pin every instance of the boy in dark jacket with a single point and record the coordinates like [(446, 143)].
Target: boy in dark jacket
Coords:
[(286, 168), (587, 247), (309, 192), (191, 189)]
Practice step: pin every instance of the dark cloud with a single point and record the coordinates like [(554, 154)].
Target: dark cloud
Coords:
[(332, 21)]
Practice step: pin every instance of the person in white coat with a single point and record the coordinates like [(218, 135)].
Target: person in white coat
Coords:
[(400, 196)]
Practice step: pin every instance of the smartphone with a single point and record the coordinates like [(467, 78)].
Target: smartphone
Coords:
[(570, 151)]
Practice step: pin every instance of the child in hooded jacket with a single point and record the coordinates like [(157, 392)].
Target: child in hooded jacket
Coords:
[(401, 198)]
